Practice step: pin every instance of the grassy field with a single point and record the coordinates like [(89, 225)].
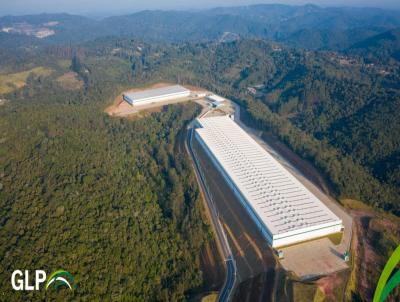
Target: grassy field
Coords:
[(336, 238), (210, 298), (353, 204), (64, 64), (303, 292), (12, 81), (319, 296), (70, 81)]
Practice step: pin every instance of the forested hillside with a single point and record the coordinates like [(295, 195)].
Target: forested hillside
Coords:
[(334, 110), (79, 189), (111, 200), (307, 26), (383, 47)]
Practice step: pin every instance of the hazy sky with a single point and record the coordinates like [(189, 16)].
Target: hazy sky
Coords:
[(112, 7)]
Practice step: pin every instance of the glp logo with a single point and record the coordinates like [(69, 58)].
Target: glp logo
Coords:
[(388, 279), (60, 278)]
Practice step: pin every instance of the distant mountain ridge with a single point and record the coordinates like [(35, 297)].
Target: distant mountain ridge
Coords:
[(307, 26), (380, 47)]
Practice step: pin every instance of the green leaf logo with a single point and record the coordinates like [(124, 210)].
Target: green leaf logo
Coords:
[(384, 287), (61, 278)]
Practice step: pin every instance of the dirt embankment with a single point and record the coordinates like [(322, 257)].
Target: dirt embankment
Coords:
[(122, 108), (212, 267), (119, 106), (377, 234), (331, 286)]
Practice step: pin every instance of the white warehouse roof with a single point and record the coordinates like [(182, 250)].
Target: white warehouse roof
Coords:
[(156, 94), (281, 204)]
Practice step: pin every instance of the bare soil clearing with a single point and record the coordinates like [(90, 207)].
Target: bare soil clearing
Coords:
[(70, 81), (329, 286), (13, 81), (377, 234), (119, 107)]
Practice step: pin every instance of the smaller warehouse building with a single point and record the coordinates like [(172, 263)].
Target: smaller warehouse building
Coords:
[(156, 95), (215, 100)]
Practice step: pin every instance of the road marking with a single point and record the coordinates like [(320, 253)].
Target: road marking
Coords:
[(237, 221), (255, 247), (247, 236), (235, 242), (210, 255)]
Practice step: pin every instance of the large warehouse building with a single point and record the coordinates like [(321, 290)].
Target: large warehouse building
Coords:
[(284, 209), (156, 95)]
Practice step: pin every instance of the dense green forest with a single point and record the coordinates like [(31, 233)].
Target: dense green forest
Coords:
[(384, 47), (112, 201)]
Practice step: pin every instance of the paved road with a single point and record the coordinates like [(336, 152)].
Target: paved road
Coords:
[(230, 281), (255, 263), (251, 256)]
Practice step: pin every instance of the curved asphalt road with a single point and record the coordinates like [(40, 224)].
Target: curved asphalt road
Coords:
[(230, 280), (229, 284)]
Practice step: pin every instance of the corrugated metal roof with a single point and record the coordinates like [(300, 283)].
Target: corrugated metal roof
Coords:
[(156, 92), (283, 204)]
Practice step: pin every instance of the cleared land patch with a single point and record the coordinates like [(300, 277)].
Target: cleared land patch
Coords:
[(64, 63), (377, 235), (120, 107), (12, 81), (70, 81)]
